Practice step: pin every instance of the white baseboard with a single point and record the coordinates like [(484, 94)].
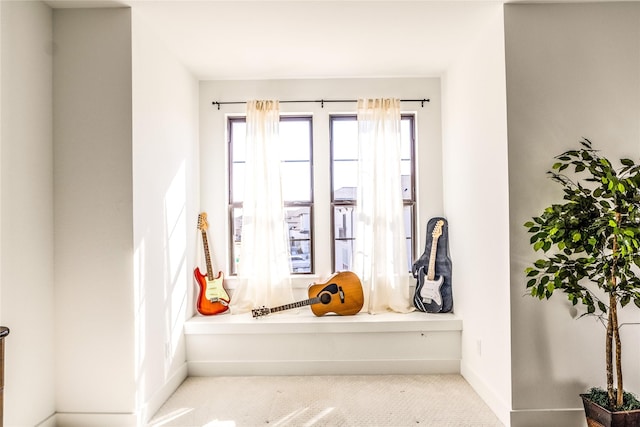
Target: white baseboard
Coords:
[(48, 422), (95, 420), (548, 418), (322, 367), (567, 417), (151, 407), (486, 393), (62, 419)]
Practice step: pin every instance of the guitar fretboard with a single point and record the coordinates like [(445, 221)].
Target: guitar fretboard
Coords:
[(295, 305), (431, 273), (207, 257)]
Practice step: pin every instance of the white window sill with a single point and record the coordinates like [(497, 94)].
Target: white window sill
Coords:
[(303, 321)]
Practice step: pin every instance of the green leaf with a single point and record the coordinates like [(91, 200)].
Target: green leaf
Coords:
[(538, 245), (627, 162), (540, 263), (621, 187), (612, 223), (576, 236), (556, 165), (602, 307), (637, 302), (529, 224)]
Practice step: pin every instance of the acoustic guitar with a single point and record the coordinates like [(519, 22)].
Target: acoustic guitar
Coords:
[(212, 296), (429, 290), (340, 294)]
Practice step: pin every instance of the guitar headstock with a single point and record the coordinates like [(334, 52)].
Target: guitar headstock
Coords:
[(259, 312), (437, 230), (202, 222)]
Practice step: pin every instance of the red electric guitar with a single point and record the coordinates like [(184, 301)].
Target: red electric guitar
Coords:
[(212, 297)]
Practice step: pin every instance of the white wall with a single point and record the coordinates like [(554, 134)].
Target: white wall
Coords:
[(477, 205), (572, 71), (165, 212), (92, 137), (214, 156), (26, 214)]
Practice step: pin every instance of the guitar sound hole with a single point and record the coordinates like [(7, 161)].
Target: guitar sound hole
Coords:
[(325, 298)]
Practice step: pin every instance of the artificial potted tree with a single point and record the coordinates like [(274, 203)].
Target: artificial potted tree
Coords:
[(591, 246)]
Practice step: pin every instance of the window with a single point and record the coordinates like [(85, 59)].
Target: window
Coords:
[(297, 187), (344, 162)]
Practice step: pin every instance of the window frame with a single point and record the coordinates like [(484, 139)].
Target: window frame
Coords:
[(233, 205), (412, 202)]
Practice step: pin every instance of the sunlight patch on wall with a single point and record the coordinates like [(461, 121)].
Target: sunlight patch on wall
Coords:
[(139, 320), (175, 201)]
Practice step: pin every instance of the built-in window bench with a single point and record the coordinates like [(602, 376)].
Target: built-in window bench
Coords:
[(299, 343)]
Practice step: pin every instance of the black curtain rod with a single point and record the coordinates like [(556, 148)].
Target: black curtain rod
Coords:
[(321, 101)]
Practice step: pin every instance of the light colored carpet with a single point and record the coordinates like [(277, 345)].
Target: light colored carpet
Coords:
[(368, 400)]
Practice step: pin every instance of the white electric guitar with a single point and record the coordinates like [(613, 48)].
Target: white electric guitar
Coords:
[(430, 290)]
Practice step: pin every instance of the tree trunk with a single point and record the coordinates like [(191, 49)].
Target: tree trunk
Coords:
[(616, 337), (613, 333), (609, 357)]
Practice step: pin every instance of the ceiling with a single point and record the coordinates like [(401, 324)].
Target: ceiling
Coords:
[(269, 39)]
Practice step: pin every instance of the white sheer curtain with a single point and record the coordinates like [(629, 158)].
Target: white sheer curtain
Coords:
[(380, 257), (263, 266)]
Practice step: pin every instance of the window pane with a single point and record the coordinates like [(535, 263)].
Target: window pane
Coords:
[(299, 222), (343, 222), (237, 182), (409, 258), (294, 139), (345, 139), (295, 150), (236, 233), (405, 138), (238, 138), (408, 221), (345, 180), (301, 257), (405, 181), (343, 250), (296, 181)]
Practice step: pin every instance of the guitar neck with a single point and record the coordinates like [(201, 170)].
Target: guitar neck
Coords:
[(207, 257), (431, 273), (294, 305)]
